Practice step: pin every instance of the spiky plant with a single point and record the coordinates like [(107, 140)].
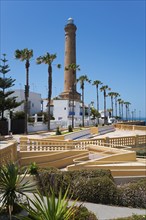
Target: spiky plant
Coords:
[(12, 185), (49, 207)]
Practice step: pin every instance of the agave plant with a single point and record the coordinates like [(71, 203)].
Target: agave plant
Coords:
[(48, 207), (12, 185)]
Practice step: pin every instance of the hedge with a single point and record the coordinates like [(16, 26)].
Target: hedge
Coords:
[(133, 194), (95, 186)]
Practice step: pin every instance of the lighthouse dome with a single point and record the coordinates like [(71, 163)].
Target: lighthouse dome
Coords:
[(70, 21)]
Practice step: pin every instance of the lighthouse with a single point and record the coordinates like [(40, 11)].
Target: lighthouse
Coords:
[(67, 105), (69, 59)]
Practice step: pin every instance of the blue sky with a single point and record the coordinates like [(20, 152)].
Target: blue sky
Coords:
[(110, 44)]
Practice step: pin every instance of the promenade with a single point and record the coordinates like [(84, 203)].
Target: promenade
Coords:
[(103, 212), (122, 133)]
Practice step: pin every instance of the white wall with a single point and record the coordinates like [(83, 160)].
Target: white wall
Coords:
[(62, 109), (34, 101)]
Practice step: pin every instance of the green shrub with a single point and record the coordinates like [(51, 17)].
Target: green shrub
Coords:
[(133, 194), (96, 190), (19, 115), (70, 128), (141, 152), (46, 177), (58, 179), (83, 213), (33, 168), (76, 174), (133, 217), (58, 132), (31, 120)]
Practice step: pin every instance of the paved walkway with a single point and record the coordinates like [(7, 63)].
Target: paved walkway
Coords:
[(106, 212), (116, 133), (122, 133)]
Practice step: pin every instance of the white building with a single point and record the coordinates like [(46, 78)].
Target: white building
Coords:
[(45, 106), (63, 110), (34, 101)]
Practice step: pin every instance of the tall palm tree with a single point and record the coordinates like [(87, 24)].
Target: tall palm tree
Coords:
[(97, 83), (73, 67), (112, 94), (116, 95), (119, 101), (127, 109), (122, 114), (103, 89), (25, 55), (82, 79), (48, 59)]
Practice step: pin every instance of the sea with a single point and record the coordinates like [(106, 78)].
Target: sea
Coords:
[(142, 119)]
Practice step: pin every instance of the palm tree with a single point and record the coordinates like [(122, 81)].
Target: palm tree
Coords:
[(97, 83), (119, 101), (25, 55), (122, 114), (82, 79), (116, 95), (112, 94), (104, 89), (12, 185), (48, 59), (127, 109), (73, 67)]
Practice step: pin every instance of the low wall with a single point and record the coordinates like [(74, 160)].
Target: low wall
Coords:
[(8, 152), (37, 126), (130, 127)]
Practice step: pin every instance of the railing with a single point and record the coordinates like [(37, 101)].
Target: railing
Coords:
[(51, 145)]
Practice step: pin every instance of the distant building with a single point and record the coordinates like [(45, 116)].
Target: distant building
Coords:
[(34, 101)]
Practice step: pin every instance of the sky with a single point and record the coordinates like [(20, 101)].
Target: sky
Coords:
[(110, 45)]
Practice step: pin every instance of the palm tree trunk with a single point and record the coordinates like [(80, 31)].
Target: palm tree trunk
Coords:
[(105, 120), (83, 107), (97, 102), (112, 106), (122, 110), (116, 106), (119, 110), (26, 96), (73, 90), (49, 93)]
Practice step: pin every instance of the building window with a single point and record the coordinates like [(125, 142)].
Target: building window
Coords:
[(32, 105)]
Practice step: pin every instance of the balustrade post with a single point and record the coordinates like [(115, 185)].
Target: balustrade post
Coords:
[(23, 143), (136, 140), (107, 141)]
